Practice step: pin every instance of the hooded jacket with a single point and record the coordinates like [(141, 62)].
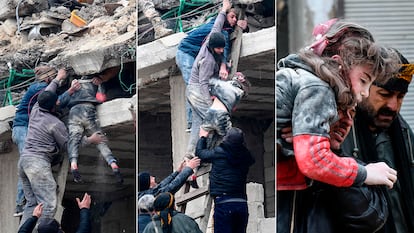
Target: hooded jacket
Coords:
[(307, 103)]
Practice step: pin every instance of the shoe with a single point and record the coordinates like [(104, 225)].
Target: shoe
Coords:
[(118, 176), (193, 182), (19, 211), (76, 175), (188, 130)]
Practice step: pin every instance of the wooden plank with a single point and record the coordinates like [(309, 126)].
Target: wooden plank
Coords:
[(186, 197)]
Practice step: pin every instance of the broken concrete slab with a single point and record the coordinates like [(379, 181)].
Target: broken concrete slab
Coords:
[(8, 8), (163, 51), (94, 56)]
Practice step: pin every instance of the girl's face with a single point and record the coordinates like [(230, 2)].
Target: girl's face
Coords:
[(361, 80), (231, 18)]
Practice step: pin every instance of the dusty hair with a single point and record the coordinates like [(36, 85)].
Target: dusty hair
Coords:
[(353, 51), (236, 11)]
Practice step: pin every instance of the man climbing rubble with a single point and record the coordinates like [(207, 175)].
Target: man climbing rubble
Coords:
[(43, 76), (154, 17)]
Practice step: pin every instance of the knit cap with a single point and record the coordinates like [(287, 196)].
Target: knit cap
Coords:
[(216, 40), (143, 181), (47, 100)]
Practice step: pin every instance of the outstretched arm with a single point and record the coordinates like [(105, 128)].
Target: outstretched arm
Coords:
[(84, 206), (30, 223)]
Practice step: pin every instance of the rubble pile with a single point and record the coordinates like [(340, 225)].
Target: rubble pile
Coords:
[(52, 35), (183, 16)]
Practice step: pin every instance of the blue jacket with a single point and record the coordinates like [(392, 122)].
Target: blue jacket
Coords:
[(29, 99), (192, 43), (230, 165), (26, 104)]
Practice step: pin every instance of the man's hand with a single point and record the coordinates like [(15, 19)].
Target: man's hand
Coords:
[(287, 134), (226, 5), (41, 69), (37, 212), (74, 86), (223, 71), (193, 163), (97, 80), (61, 75), (182, 165), (97, 138), (85, 203), (242, 24)]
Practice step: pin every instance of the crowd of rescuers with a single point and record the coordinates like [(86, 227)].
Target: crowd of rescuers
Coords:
[(43, 136)]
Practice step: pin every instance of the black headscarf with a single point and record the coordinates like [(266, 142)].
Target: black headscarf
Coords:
[(164, 207)]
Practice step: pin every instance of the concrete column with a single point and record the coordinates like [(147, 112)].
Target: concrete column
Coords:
[(178, 119)]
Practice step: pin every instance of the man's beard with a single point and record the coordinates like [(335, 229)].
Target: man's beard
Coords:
[(372, 116)]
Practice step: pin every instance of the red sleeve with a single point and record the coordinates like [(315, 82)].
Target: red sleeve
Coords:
[(316, 161)]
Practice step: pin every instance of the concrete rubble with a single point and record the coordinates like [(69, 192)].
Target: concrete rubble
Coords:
[(46, 35), (258, 13)]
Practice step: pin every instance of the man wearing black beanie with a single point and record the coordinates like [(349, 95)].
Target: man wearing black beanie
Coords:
[(205, 67)]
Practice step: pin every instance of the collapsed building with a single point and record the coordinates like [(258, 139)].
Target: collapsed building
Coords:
[(85, 38), (162, 138)]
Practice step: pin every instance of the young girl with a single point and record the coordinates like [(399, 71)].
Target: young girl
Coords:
[(333, 74)]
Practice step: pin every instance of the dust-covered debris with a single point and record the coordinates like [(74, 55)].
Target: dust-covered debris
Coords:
[(39, 36)]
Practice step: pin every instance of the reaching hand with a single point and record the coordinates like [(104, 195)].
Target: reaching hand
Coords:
[(61, 75), (380, 174), (223, 72), (97, 80), (41, 69), (287, 134), (226, 5), (182, 165), (74, 86), (242, 24), (194, 162), (85, 203), (37, 212), (97, 138)]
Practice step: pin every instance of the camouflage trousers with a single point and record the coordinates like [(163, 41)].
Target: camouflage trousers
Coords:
[(83, 121)]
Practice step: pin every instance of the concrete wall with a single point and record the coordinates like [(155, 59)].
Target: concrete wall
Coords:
[(154, 144), (8, 181)]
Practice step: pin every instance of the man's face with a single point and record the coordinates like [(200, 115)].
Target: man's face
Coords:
[(153, 183), (231, 18), (381, 107), (218, 50), (340, 129)]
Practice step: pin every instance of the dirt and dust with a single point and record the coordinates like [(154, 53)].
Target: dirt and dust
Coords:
[(24, 47)]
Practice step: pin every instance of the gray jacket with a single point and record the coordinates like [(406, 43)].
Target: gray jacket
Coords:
[(46, 135), (205, 66)]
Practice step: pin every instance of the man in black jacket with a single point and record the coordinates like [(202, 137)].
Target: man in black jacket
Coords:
[(230, 164), (381, 134)]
